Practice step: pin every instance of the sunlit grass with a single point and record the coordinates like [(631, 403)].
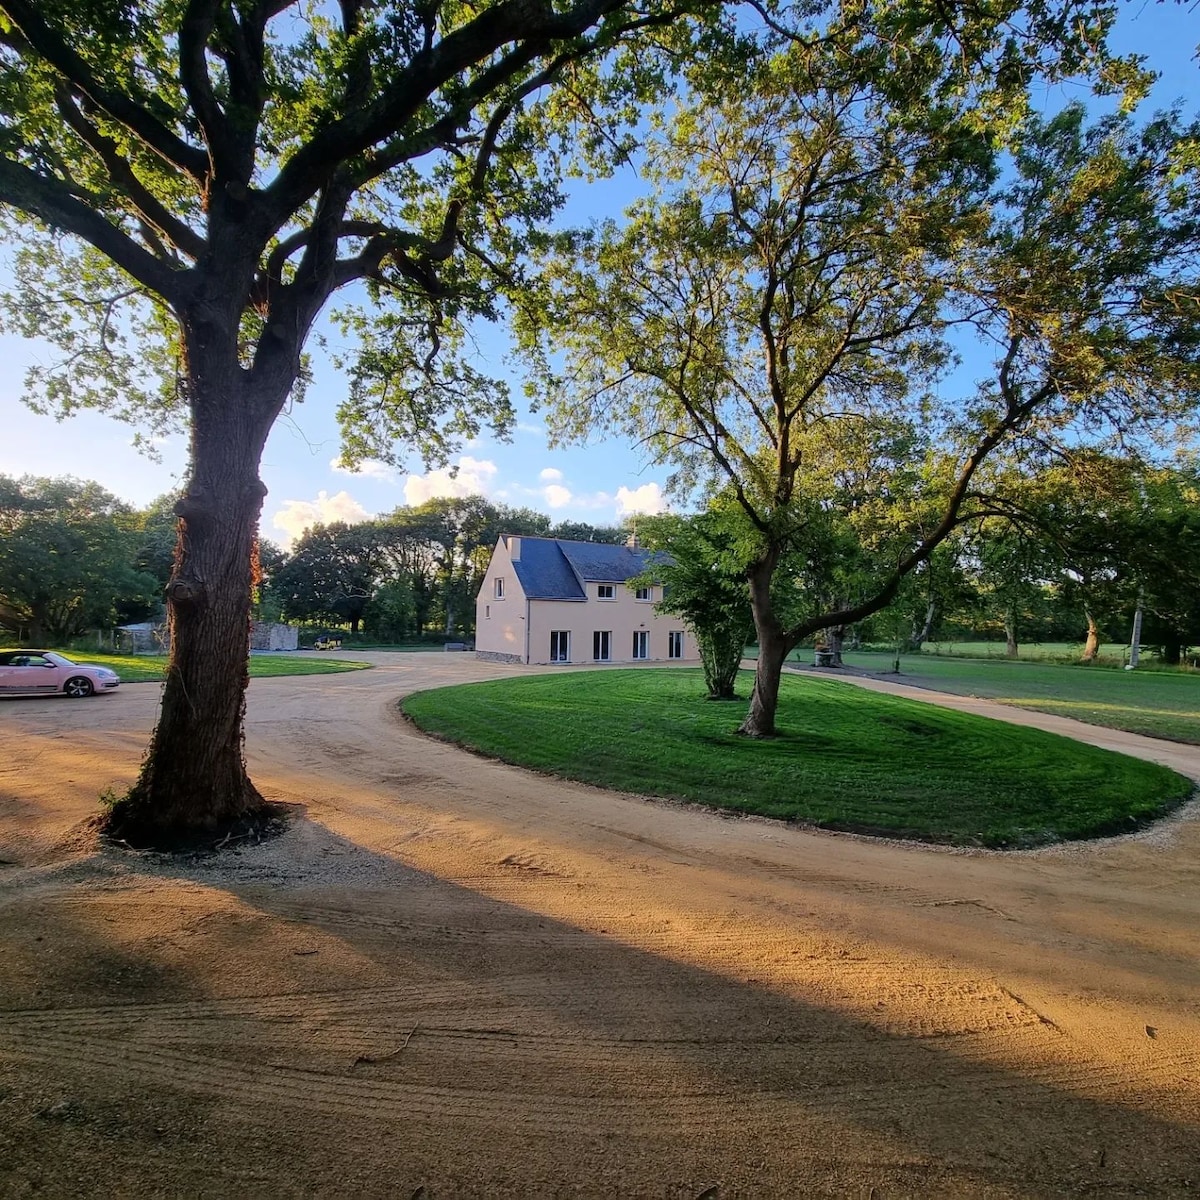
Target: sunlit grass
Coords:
[(1163, 704), (149, 668), (846, 759)]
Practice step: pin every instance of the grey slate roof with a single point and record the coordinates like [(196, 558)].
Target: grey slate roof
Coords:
[(552, 569)]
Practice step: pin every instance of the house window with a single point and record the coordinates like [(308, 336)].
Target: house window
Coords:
[(487, 612), (602, 645), (643, 593), (605, 591), (675, 643), (641, 643), (560, 645), (498, 587)]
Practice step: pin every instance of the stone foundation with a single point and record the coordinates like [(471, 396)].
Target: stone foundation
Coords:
[(497, 656)]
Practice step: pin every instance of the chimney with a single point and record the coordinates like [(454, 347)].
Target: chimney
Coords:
[(514, 548)]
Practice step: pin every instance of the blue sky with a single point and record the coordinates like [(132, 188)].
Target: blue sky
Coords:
[(599, 483)]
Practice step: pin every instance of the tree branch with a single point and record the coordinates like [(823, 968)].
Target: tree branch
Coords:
[(137, 119), (53, 203), (147, 206), (195, 31)]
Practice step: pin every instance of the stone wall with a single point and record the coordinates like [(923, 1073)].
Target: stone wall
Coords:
[(497, 656)]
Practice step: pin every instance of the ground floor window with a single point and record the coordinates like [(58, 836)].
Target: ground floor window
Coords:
[(675, 643), (560, 645), (641, 643), (602, 645)]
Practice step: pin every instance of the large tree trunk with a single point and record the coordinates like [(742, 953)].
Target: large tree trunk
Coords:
[(1091, 647), (835, 637), (772, 650), (194, 777), (922, 635)]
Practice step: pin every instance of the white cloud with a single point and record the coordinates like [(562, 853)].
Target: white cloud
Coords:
[(556, 496), (551, 475), (473, 477), (646, 499), (297, 515), (371, 468), (525, 427)]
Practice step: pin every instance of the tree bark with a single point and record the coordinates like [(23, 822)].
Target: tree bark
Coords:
[(1091, 646), (1011, 649), (194, 777), (835, 637), (772, 650), (922, 635)]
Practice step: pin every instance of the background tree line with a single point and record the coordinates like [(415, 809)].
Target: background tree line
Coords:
[(1066, 556), (74, 557)]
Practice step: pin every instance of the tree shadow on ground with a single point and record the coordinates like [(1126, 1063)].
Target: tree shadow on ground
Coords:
[(378, 1028)]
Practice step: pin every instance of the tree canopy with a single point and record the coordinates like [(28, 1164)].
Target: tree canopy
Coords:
[(67, 559), (778, 318)]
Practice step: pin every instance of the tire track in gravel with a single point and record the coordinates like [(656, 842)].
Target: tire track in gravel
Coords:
[(612, 1082)]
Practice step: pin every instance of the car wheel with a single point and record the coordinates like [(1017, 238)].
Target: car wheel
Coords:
[(77, 687)]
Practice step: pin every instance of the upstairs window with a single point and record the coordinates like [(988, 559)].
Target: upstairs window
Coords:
[(643, 593), (606, 591), (498, 587)]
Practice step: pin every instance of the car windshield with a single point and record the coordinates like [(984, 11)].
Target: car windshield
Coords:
[(59, 660)]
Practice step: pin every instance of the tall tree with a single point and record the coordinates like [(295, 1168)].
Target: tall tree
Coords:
[(775, 319), (192, 180), (332, 574)]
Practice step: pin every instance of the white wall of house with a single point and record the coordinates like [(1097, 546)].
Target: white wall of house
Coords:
[(620, 618), (500, 619)]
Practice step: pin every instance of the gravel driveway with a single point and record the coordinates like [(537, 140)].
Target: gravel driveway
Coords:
[(455, 976)]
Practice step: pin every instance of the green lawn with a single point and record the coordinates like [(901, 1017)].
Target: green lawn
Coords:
[(1163, 704), (1112, 653), (149, 668), (847, 759)]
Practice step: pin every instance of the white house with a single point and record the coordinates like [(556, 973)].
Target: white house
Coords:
[(546, 600)]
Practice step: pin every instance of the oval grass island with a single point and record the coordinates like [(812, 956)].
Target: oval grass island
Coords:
[(846, 759)]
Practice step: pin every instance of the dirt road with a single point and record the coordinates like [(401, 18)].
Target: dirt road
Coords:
[(456, 976)]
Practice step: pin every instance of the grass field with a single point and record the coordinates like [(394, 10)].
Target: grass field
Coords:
[(148, 668), (1111, 653), (847, 759), (1163, 704)]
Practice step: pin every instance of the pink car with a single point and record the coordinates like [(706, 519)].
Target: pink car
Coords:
[(38, 672)]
